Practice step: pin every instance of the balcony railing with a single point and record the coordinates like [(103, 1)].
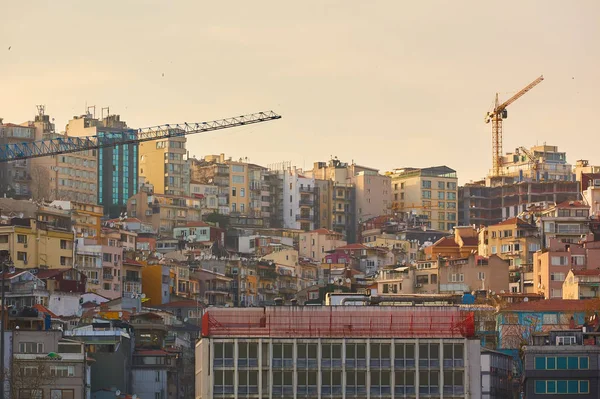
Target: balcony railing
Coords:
[(107, 276), (306, 202), (133, 279), (303, 189)]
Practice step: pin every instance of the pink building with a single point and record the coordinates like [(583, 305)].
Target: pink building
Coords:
[(551, 266)]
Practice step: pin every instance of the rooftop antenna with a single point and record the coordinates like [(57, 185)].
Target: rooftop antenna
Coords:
[(88, 111), (41, 109), (102, 112)]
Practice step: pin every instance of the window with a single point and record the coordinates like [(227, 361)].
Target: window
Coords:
[(494, 249), (562, 386), (30, 394), (242, 207), (426, 194), (242, 192), (233, 191), (31, 347), (556, 292), (62, 371), (237, 168), (22, 256), (429, 382), (21, 239), (4, 239), (441, 185), (451, 186), (451, 205), (559, 261), (237, 179), (557, 277), (451, 196), (481, 276), (223, 382), (533, 247), (223, 354), (441, 195), (426, 184), (549, 319), (578, 260)]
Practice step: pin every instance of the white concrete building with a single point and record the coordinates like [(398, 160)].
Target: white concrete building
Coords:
[(298, 200)]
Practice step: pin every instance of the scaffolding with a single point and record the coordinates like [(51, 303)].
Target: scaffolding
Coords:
[(339, 322)]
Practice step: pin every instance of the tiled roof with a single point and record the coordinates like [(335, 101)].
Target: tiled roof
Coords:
[(324, 231), (49, 273), (555, 305), (150, 352), (513, 221), (446, 242), (197, 224), (594, 272), (571, 204), (470, 241), (132, 262)]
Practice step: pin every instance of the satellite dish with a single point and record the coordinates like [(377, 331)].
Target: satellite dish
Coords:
[(525, 299), (348, 280), (185, 320), (117, 392), (143, 296)]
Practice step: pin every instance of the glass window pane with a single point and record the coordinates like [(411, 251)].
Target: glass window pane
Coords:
[(572, 386), (410, 351), (573, 363), (302, 351), (361, 379), (540, 387), (561, 386), (551, 386), (551, 363), (561, 363), (361, 351), (374, 351), (584, 386), (399, 351), (459, 378), (448, 351), (584, 362), (540, 363)]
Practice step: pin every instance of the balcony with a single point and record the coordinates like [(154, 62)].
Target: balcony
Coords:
[(107, 276), (133, 279), (303, 189), (304, 217), (306, 202)]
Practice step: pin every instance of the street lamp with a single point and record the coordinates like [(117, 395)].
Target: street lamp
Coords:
[(5, 263)]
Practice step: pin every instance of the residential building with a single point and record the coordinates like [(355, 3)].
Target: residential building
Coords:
[(316, 244), (289, 355), (582, 284), (110, 344), (539, 163), (194, 233), (15, 176), (584, 171), (460, 245), (72, 176), (164, 212), (155, 284), (215, 288), (117, 166), (132, 278), (430, 192), (61, 374), (485, 203), (473, 273), (360, 257), (182, 282), (208, 194), (37, 243), (514, 240), (85, 217), (566, 221), (162, 164), (562, 363), (373, 194), (551, 266), (101, 260), (299, 200), (591, 193)]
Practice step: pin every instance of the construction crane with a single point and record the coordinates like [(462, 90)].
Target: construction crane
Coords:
[(496, 116), (534, 161), (64, 145)]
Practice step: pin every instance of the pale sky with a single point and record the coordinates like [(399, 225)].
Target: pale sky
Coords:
[(384, 83)]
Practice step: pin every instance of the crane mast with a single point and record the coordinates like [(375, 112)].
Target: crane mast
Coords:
[(64, 145), (496, 116)]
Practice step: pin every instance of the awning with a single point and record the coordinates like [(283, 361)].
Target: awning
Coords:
[(401, 269), (528, 282)]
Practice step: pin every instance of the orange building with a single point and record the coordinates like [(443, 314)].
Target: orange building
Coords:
[(463, 243)]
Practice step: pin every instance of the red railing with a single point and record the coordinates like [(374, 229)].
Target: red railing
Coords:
[(339, 322)]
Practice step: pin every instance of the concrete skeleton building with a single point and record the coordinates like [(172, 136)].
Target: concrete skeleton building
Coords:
[(430, 192), (538, 163), (337, 352)]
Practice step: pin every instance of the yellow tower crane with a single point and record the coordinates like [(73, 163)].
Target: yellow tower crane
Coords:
[(495, 116)]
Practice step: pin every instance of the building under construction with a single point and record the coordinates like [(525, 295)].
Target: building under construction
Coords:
[(338, 352)]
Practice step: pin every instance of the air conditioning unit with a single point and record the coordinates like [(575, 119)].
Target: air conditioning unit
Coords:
[(418, 285), (596, 182), (24, 245)]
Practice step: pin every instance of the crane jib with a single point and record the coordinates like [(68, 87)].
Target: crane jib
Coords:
[(67, 144)]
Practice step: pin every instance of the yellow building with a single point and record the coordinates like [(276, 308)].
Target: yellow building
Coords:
[(431, 192), (155, 284), (32, 243), (163, 165), (581, 284)]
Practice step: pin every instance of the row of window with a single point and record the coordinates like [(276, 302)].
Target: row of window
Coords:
[(562, 362), (562, 386), (440, 185), (441, 195), (54, 394)]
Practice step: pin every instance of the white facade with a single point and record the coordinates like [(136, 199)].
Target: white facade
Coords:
[(298, 200), (346, 367), (64, 303)]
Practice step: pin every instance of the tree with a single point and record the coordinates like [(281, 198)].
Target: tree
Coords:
[(40, 183), (217, 218), (28, 378)]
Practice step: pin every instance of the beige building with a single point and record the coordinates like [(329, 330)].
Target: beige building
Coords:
[(538, 163), (164, 212), (514, 240), (430, 192), (15, 176), (566, 221), (582, 284), (373, 194), (70, 177), (163, 164), (473, 273), (316, 244), (35, 243)]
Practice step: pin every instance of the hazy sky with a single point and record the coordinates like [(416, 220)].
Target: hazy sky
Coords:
[(385, 83)]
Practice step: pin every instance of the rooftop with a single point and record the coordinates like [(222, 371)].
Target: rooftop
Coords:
[(593, 272), (572, 204), (514, 221), (555, 305)]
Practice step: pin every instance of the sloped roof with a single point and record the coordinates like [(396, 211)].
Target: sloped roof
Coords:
[(197, 224), (593, 272), (353, 246), (446, 242), (514, 221), (42, 309), (470, 241), (572, 204), (325, 231)]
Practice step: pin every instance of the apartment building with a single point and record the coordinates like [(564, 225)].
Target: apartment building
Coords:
[(164, 212), (430, 192), (45, 365), (316, 244), (71, 177), (463, 242), (473, 273), (299, 352), (299, 200), (15, 176), (514, 240), (490, 201), (37, 243), (156, 284), (562, 363), (551, 266), (566, 221), (208, 194), (243, 188), (101, 260), (117, 166), (582, 284), (374, 194), (163, 164), (538, 163), (132, 278)]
